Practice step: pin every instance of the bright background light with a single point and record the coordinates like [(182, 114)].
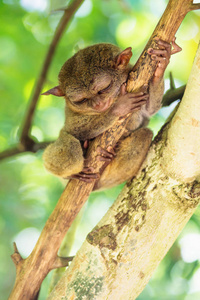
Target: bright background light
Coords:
[(190, 248), (26, 240), (34, 5)]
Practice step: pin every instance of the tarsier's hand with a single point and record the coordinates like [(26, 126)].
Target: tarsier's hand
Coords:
[(128, 102), (162, 55)]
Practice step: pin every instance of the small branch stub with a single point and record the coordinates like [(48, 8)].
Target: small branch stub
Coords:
[(172, 83), (194, 6), (16, 257), (61, 262)]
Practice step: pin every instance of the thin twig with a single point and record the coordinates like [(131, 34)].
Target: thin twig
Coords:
[(68, 13), (195, 6), (36, 146), (172, 95), (10, 152), (172, 83), (26, 143)]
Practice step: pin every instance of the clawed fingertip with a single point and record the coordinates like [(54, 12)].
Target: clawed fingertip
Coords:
[(150, 50)]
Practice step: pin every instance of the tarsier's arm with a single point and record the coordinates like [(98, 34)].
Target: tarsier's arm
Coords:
[(86, 127), (94, 125), (156, 88)]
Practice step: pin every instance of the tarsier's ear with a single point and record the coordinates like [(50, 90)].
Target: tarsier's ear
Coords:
[(123, 58), (56, 91)]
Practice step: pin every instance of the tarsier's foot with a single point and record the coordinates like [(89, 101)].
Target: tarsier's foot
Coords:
[(106, 155), (86, 175)]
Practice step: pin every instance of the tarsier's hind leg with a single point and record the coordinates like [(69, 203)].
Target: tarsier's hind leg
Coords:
[(65, 156), (129, 157)]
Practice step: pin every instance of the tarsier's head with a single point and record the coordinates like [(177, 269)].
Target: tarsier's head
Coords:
[(90, 80)]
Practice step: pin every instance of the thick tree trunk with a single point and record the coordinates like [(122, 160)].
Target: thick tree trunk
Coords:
[(119, 256)]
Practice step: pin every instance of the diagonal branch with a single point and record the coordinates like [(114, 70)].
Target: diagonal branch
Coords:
[(166, 30)]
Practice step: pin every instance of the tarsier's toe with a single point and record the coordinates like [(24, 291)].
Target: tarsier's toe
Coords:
[(105, 155)]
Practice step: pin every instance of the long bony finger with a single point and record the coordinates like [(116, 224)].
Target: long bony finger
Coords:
[(176, 47), (123, 89)]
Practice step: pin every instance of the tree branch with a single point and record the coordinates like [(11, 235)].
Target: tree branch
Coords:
[(172, 95), (16, 257), (181, 159), (172, 83), (68, 13), (195, 6), (165, 30), (10, 152), (61, 262), (41, 260), (26, 143), (36, 146)]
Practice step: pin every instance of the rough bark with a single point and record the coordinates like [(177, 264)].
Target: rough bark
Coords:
[(119, 256), (181, 159)]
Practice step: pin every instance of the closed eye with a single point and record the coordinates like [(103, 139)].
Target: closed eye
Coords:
[(106, 89), (81, 101)]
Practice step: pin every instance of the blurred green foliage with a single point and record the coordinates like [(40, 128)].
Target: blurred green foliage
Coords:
[(28, 193)]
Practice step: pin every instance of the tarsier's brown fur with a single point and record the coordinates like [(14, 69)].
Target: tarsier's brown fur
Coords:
[(93, 84)]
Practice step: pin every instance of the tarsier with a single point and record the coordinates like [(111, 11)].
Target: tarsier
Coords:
[(93, 83)]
